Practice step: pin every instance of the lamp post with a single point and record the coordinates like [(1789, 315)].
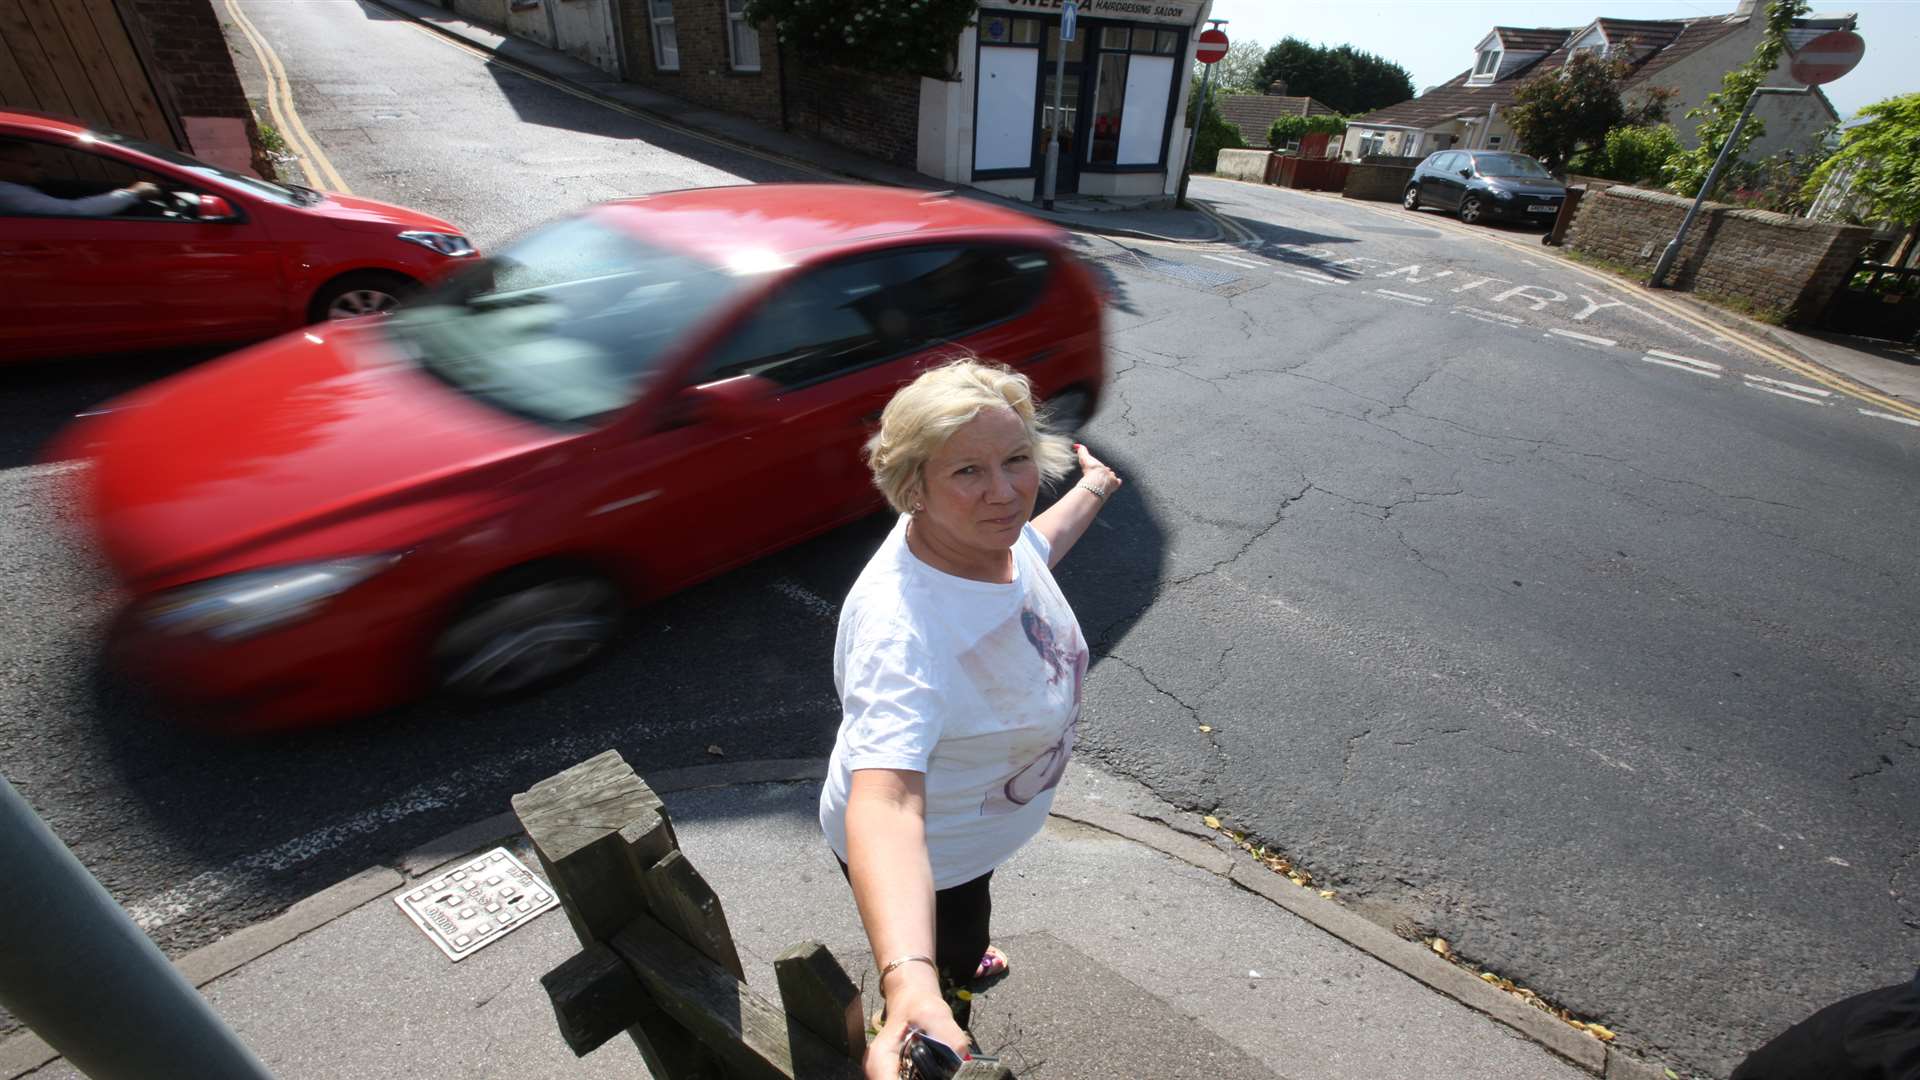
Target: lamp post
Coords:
[(1672, 252)]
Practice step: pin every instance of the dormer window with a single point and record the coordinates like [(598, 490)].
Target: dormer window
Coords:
[(1488, 63)]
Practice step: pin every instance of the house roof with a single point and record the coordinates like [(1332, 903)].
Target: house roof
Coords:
[(1657, 44), (1536, 39), (1253, 114)]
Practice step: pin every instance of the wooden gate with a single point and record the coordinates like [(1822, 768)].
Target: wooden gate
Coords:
[(1878, 301), (75, 58)]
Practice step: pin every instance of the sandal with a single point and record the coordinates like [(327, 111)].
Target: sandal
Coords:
[(993, 965)]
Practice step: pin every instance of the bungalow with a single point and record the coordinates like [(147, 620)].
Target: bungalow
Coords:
[(1253, 116), (1688, 56)]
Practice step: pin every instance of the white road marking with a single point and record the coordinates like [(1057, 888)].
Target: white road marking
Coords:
[(1703, 365), (1319, 279), (1510, 320), (1815, 391), (1413, 274), (1588, 338), (807, 598), (1410, 298), (1788, 394), (1595, 305), (1483, 316), (1907, 420), (1244, 264), (1681, 367), (1531, 293)]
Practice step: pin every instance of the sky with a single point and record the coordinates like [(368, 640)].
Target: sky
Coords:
[(1434, 39)]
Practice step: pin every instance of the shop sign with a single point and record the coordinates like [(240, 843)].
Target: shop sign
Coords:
[(1173, 12)]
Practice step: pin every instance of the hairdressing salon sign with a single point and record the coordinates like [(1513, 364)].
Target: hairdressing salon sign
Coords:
[(1169, 12)]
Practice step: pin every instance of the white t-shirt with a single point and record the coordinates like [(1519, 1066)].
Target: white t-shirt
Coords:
[(973, 683)]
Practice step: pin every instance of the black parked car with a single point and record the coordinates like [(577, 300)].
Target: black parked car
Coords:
[(1486, 184)]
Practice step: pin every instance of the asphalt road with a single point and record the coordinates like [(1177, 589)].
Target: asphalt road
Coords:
[(1514, 612)]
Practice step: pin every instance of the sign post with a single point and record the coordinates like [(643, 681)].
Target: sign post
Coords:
[(1069, 20), (1821, 60), (1212, 45)]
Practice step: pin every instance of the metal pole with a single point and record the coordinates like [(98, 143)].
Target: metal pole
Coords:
[(77, 970), (1672, 252), (1053, 133), (1193, 136)]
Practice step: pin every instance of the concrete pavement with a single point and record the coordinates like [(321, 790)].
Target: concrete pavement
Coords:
[(1139, 949)]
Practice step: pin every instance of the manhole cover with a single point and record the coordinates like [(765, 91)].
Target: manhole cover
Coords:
[(477, 904)]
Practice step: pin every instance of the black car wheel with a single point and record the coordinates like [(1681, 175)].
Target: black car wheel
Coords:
[(1068, 411), (1472, 210), (526, 630), (350, 296), (1411, 200)]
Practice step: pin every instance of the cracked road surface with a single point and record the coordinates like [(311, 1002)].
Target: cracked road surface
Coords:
[(1600, 669)]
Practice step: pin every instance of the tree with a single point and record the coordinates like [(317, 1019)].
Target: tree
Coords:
[(1558, 111), (1344, 78), (1722, 109), (1238, 72), (1632, 154), (1883, 157), (1288, 128), (1215, 133)]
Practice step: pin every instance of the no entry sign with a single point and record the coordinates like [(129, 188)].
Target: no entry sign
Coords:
[(1827, 57), (1213, 46)]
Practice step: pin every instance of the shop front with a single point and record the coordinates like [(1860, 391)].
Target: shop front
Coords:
[(1122, 92)]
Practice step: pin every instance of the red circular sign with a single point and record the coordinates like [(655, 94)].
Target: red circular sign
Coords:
[(1213, 46), (1827, 57)]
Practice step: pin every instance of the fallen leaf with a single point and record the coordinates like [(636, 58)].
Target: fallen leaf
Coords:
[(1440, 946), (1326, 894), (1671, 1075), (1206, 727), (1490, 977), (1602, 1033), (716, 751), (1212, 822)]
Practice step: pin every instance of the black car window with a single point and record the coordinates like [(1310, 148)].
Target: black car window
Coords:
[(66, 173), (848, 314), (1510, 165)]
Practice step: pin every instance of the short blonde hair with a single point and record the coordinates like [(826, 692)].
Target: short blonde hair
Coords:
[(926, 412)]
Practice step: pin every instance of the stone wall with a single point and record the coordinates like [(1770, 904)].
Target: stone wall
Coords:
[(1786, 267), (1248, 165), (1382, 183)]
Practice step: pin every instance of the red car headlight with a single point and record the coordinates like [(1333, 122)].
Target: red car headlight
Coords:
[(238, 606)]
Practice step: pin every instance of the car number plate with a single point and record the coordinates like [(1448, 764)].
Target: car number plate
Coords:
[(1539, 209)]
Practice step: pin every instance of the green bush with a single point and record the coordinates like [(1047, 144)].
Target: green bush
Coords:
[(1215, 134), (1288, 128), (1633, 155)]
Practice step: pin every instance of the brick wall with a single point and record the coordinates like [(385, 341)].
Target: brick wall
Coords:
[(876, 115), (1787, 266), (706, 72), (1383, 183), (191, 67)]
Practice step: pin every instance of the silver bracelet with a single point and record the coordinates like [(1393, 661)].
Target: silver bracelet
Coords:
[(1098, 493)]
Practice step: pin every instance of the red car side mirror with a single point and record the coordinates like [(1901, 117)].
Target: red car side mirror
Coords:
[(215, 208), (742, 399)]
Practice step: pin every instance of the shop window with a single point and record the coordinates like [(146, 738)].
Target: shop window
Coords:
[(743, 40), (1004, 30), (1115, 37), (1109, 99), (1075, 48), (1167, 43), (666, 39)]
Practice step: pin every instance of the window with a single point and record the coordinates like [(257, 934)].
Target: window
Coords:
[(1372, 142), (565, 325), (1002, 30), (1109, 95), (1487, 65), (859, 312), (65, 174), (743, 41), (1493, 142), (666, 40)]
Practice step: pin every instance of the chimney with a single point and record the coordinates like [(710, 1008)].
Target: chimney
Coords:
[(1277, 88)]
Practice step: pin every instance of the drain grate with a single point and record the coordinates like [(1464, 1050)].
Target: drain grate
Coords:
[(477, 904)]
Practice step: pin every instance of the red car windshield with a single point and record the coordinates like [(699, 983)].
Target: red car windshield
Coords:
[(280, 193), (566, 325)]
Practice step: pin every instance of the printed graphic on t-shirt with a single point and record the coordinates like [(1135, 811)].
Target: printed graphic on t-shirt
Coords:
[(1005, 666)]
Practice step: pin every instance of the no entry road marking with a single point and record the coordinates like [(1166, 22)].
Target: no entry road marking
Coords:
[(1696, 367), (1586, 338), (1405, 298), (1909, 421)]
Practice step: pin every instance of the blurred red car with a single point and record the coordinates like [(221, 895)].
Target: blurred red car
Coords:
[(467, 494), (215, 257)]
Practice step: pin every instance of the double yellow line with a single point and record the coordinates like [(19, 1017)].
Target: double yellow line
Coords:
[(319, 172)]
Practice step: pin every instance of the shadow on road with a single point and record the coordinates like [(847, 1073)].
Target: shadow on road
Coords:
[(38, 399)]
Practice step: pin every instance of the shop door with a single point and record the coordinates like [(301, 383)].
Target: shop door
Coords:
[(1073, 148)]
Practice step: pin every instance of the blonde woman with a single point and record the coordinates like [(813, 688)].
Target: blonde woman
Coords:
[(959, 667)]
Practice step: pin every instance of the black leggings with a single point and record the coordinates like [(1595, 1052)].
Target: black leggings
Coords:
[(960, 936)]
